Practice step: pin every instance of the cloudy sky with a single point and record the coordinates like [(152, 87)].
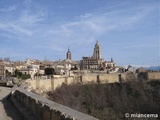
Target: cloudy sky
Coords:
[(127, 30)]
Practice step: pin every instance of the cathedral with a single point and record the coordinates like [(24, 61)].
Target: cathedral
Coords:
[(96, 61), (97, 54)]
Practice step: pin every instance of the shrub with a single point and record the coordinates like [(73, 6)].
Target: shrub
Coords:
[(110, 101)]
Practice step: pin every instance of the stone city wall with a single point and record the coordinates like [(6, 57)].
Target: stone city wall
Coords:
[(52, 84), (44, 109), (153, 75), (88, 78), (48, 84), (99, 78), (109, 78), (141, 76)]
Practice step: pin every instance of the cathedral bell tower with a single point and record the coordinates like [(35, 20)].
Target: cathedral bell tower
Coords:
[(97, 54)]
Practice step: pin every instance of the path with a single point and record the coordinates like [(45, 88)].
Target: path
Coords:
[(7, 110)]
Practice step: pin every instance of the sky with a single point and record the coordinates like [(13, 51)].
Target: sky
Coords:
[(127, 30)]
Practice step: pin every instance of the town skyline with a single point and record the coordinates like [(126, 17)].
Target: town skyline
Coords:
[(127, 31)]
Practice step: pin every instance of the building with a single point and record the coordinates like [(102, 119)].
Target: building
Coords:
[(91, 63), (96, 61), (97, 54), (19, 65), (10, 69), (2, 70), (130, 68), (34, 69), (108, 64), (139, 70), (68, 55)]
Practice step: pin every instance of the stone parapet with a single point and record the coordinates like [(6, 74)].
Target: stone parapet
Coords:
[(44, 109)]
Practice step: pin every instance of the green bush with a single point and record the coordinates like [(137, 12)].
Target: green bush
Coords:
[(49, 71), (21, 75), (25, 76)]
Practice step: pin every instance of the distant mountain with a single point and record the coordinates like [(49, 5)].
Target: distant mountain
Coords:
[(148, 67), (153, 68)]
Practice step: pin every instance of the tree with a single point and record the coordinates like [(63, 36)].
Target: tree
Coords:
[(21, 75), (75, 68), (102, 69), (49, 71), (25, 76), (7, 59), (8, 73), (16, 73)]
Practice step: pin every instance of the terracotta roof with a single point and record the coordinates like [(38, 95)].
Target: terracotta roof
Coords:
[(9, 65), (2, 63)]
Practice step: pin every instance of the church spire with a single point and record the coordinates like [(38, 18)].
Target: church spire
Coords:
[(68, 54), (68, 49), (112, 60)]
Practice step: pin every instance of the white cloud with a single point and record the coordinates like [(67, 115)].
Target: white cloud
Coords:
[(94, 25), (30, 18), (85, 29), (28, 1), (141, 45), (52, 47), (23, 24), (21, 29), (82, 30), (13, 28), (9, 9)]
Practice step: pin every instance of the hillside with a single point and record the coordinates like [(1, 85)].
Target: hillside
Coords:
[(110, 101)]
